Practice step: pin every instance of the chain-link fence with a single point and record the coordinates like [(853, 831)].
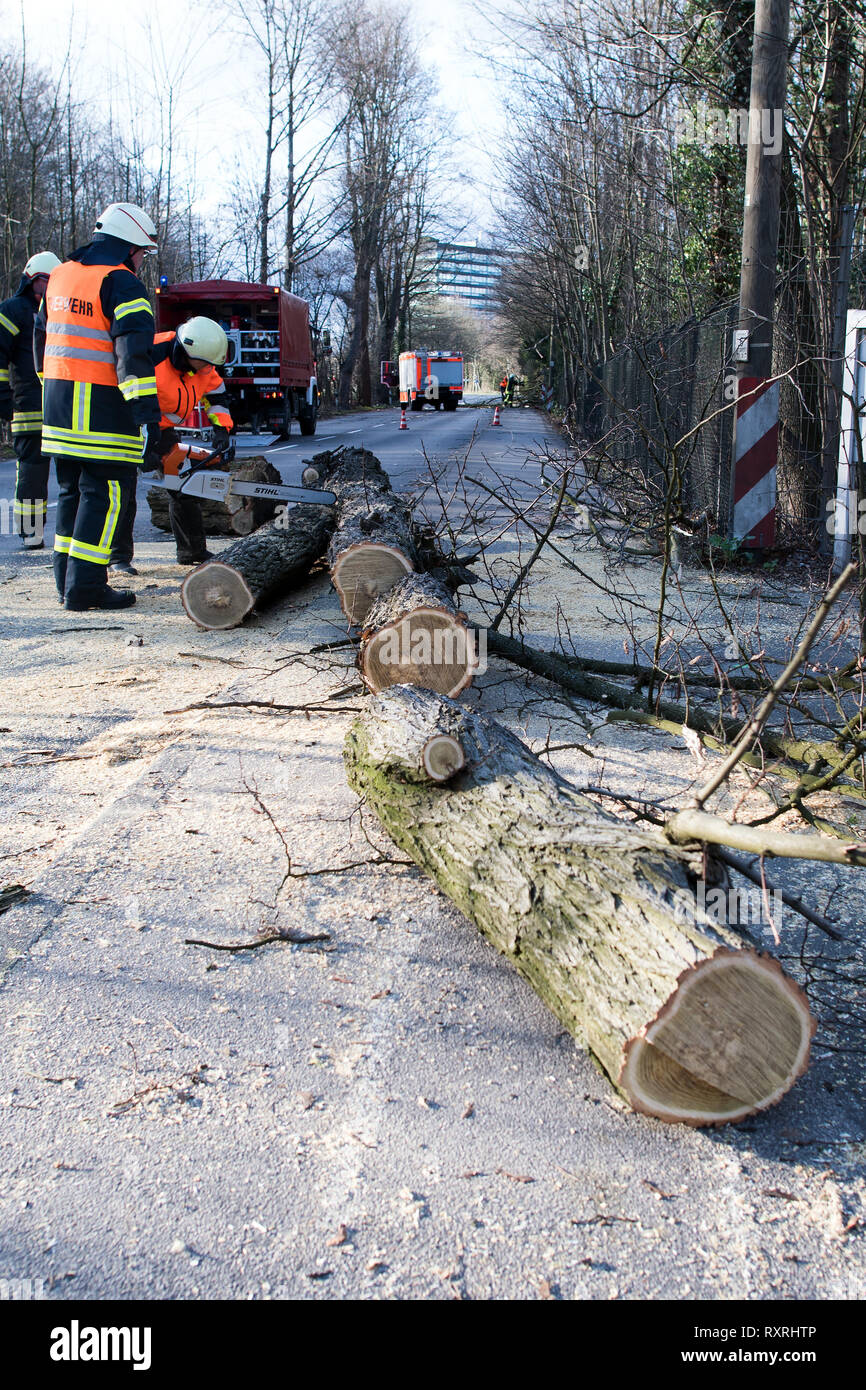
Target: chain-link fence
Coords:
[(652, 394)]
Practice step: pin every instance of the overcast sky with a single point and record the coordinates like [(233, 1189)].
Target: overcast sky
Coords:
[(217, 102)]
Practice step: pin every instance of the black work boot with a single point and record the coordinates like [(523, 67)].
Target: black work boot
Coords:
[(194, 559), (79, 601)]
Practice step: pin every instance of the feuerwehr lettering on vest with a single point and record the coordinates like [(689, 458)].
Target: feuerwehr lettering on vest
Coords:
[(63, 304), (76, 1343)]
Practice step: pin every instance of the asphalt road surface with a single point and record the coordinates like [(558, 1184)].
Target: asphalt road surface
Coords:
[(436, 436), (387, 1110)]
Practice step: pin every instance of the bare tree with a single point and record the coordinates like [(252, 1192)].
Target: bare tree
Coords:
[(383, 91)]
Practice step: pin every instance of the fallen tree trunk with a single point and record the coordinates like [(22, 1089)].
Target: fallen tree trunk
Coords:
[(221, 592), (415, 635), (690, 1022), (238, 516), (372, 548)]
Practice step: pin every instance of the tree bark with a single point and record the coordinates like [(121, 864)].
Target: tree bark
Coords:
[(221, 592), (415, 635), (372, 547), (601, 918)]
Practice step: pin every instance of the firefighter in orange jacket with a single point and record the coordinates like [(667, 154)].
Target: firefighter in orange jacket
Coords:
[(186, 376), (92, 341)]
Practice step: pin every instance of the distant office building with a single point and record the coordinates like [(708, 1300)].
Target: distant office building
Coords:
[(466, 271)]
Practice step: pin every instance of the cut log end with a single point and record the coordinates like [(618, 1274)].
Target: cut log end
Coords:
[(216, 596), (730, 1041), (429, 648), (442, 757), (363, 572)]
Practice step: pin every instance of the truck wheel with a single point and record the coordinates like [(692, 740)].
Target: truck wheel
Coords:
[(307, 419), (417, 404)]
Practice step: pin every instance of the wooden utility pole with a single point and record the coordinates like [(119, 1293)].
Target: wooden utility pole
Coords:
[(756, 426)]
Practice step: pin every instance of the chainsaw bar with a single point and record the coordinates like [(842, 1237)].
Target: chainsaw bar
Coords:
[(213, 486)]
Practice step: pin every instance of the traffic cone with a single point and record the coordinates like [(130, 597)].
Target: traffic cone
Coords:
[(403, 424), (496, 419)]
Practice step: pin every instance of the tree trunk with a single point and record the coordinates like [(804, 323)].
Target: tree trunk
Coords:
[(358, 337), (415, 635), (600, 917), (372, 548), (221, 592)]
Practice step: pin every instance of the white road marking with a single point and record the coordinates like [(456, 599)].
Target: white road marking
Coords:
[(357, 431)]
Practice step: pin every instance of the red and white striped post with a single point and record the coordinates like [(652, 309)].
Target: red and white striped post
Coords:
[(756, 421), (756, 446)]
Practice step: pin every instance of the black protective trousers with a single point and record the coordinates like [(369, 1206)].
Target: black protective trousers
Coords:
[(93, 497), (187, 526), (31, 486)]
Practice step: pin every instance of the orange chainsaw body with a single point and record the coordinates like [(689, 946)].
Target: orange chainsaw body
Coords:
[(185, 453)]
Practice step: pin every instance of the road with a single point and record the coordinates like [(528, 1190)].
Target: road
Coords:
[(443, 436), (390, 1112)]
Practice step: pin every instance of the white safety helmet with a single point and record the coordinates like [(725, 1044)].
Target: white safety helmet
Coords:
[(128, 223), (41, 264), (204, 340)]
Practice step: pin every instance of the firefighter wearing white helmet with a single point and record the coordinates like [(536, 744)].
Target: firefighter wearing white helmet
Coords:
[(21, 398), (204, 341), (186, 363), (128, 223), (94, 336)]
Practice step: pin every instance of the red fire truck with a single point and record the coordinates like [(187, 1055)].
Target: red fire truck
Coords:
[(436, 377), (270, 371)]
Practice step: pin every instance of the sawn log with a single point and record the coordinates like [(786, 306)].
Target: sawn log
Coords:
[(372, 547), (415, 635), (221, 592), (685, 1016)]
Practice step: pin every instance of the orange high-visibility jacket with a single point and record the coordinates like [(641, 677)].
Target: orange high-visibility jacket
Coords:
[(180, 392)]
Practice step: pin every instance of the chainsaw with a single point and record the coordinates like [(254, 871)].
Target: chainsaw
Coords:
[(188, 470)]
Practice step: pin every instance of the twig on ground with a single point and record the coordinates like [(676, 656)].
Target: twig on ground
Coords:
[(294, 938), (268, 705)]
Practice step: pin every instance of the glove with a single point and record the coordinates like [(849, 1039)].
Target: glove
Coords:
[(151, 453), (221, 440), (6, 410)]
